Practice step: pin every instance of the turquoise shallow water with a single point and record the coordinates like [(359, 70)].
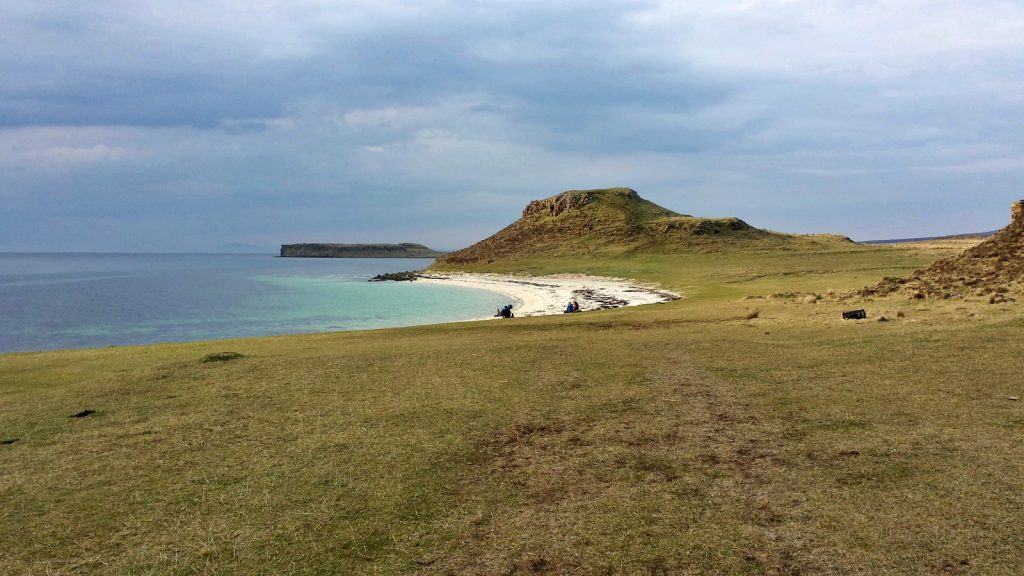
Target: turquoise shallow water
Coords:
[(57, 301)]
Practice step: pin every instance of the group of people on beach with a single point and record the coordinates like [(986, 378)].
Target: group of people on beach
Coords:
[(506, 310)]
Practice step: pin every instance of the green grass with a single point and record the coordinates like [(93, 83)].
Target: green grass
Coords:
[(677, 438), (809, 266)]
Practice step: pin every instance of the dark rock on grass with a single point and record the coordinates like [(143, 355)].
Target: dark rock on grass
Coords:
[(396, 277), (221, 356), (83, 414), (8, 441)]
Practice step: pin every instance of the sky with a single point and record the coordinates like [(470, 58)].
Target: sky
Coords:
[(190, 125)]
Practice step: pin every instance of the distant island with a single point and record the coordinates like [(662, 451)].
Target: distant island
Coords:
[(404, 250)]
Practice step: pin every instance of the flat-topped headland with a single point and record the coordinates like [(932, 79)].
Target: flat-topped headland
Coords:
[(317, 250), (611, 222)]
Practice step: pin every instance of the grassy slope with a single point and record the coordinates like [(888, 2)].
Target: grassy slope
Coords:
[(677, 438), (617, 222), (810, 264)]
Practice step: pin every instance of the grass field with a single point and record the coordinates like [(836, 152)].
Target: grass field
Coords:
[(726, 433)]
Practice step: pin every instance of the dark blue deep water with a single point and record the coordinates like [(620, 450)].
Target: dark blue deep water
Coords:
[(56, 301)]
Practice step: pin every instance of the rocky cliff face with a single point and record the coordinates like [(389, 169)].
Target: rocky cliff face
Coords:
[(567, 201)]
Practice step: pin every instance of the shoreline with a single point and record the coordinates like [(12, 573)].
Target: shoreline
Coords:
[(548, 295), (529, 296)]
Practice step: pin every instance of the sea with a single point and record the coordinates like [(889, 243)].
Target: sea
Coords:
[(51, 301)]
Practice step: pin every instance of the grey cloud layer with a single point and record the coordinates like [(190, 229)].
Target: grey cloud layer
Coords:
[(353, 121)]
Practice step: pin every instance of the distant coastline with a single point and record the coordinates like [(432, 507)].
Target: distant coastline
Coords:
[(930, 238), (314, 250)]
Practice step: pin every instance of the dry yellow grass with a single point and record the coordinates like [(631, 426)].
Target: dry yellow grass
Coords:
[(682, 438), (940, 246)]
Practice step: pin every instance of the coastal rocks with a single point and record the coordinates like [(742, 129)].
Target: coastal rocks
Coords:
[(410, 276), (598, 300)]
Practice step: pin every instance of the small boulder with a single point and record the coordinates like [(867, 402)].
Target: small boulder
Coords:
[(221, 356)]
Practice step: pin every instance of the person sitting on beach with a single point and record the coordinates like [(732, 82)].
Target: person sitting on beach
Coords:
[(575, 305), (569, 309), (506, 312)]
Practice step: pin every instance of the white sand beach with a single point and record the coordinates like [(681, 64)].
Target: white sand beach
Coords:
[(544, 295)]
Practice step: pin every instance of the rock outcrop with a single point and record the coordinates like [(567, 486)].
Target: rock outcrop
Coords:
[(569, 200), (405, 250), (407, 276)]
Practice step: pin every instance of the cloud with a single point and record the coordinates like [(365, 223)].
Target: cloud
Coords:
[(871, 40), (64, 157), (356, 120)]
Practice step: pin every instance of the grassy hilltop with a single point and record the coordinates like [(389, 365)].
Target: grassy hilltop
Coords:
[(615, 222), (731, 432)]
